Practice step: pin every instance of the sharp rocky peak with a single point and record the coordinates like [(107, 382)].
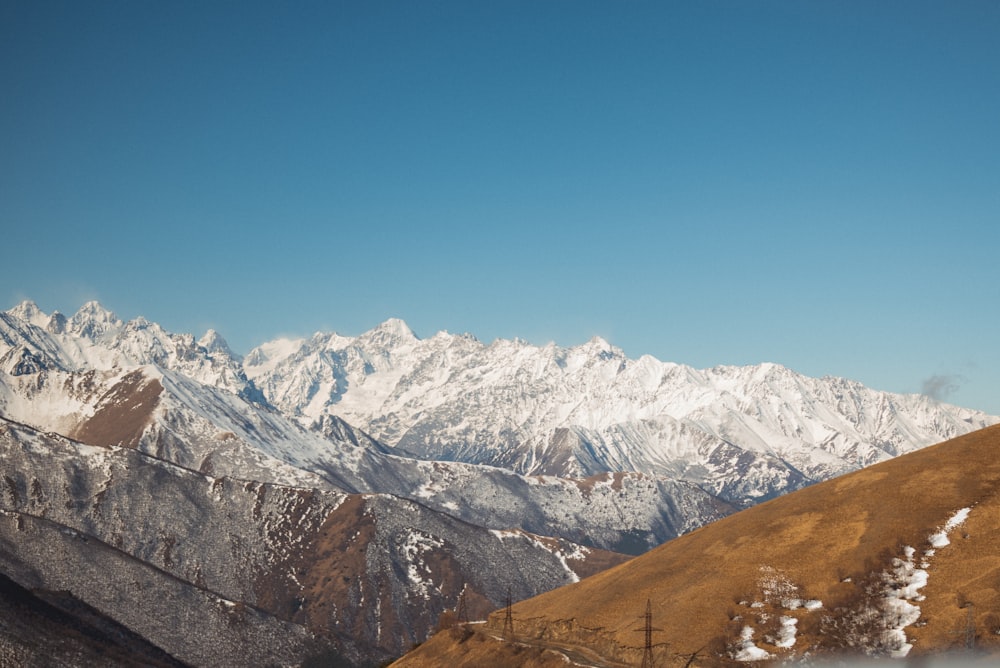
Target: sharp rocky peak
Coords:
[(599, 343), (28, 311), (94, 309), (213, 342), (599, 347), (393, 331), (93, 320)]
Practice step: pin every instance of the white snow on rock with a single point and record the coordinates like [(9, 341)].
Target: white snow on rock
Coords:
[(417, 545), (779, 595), (902, 587)]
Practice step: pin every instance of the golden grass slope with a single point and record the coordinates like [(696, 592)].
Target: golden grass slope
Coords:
[(816, 544)]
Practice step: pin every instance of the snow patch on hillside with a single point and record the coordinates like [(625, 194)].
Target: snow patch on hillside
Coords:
[(940, 538), (748, 650), (779, 598), (904, 582), (416, 548)]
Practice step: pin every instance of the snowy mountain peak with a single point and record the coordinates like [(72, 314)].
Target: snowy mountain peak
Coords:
[(213, 342), (29, 312), (94, 309), (391, 333), (599, 346), (267, 356), (771, 370), (93, 321)]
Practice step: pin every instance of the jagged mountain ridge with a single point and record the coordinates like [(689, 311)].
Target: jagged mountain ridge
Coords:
[(741, 433), (94, 338), (744, 433), (105, 391)]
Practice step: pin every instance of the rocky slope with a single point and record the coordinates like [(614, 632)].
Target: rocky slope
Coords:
[(222, 571), (40, 628)]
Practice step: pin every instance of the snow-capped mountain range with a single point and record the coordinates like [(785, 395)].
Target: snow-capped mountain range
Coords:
[(742, 433), (106, 382), (566, 451)]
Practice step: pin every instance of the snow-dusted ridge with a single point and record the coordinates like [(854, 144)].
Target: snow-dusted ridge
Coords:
[(742, 433), (745, 433), (190, 402)]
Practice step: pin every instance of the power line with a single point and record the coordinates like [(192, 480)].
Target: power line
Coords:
[(647, 652), (508, 620), (462, 614)]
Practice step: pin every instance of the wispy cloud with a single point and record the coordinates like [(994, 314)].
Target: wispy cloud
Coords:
[(940, 386)]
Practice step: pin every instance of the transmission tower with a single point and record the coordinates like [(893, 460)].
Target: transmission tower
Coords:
[(462, 614), (508, 620), (647, 652), (968, 631)]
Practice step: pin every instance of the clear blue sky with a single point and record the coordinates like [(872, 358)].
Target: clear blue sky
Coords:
[(813, 184)]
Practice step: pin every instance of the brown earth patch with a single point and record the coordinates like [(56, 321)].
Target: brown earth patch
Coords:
[(586, 485), (472, 646), (123, 413)]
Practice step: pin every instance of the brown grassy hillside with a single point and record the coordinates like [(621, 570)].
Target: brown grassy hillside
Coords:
[(822, 543)]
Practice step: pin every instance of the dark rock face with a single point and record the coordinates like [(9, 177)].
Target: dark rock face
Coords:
[(55, 628), (24, 362)]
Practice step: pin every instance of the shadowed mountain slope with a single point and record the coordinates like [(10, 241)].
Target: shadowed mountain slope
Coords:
[(902, 556), (55, 628)]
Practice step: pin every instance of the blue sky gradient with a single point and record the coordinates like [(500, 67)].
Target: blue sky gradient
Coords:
[(813, 184)]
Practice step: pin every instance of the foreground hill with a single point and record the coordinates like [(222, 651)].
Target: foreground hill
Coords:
[(902, 558)]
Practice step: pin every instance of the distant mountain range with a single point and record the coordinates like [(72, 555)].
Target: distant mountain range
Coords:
[(338, 494), (741, 433)]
